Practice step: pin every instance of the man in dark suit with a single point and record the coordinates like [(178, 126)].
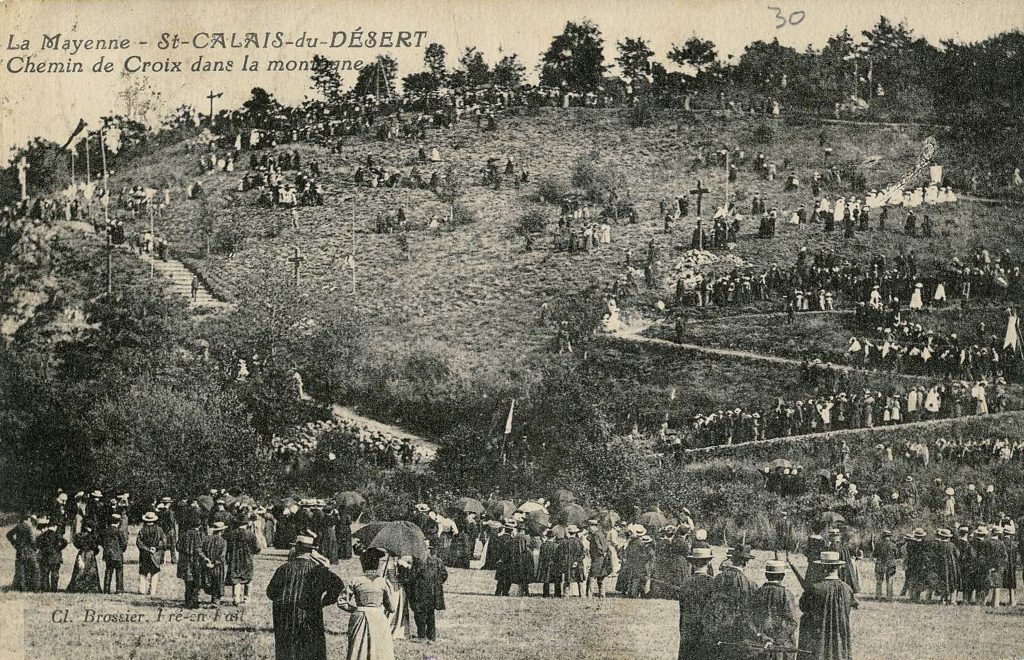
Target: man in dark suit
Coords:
[(426, 593), (300, 589)]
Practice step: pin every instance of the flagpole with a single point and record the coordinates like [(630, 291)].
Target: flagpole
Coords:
[(353, 244)]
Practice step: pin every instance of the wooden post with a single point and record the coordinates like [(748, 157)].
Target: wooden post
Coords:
[(88, 165), (353, 258), (110, 264)]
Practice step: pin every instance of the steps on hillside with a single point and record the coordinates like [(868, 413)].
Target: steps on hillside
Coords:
[(178, 273)]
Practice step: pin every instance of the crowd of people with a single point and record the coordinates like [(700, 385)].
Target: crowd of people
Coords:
[(558, 546), (383, 449), (847, 410)]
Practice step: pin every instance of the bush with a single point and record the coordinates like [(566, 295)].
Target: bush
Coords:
[(639, 115), (551, 190), (462, 215), (228, 240), (594, 182), (764, 133), (534, 221)]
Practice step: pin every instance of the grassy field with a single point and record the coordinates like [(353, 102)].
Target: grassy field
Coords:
[(475, 625)]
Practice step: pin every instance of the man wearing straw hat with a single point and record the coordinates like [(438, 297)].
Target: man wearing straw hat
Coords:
[(773, 611), (151, 543), (695, 640), (825, 625), (300, 589), (731, 595), (215, 549)]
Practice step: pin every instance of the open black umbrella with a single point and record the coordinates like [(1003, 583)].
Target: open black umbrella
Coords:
[(349, 499), (830, 518), (400, 538), (571, 514), (467, 505), (501, 509)]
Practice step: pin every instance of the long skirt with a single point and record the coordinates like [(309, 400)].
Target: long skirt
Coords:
[(369, 637), (398, 620), (86, 576)]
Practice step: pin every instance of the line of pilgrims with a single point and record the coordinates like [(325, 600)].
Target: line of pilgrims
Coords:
[(843, 410), (969, 564)]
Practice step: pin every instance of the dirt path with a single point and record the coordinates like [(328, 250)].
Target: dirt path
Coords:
[(633, 333), (427, 449)]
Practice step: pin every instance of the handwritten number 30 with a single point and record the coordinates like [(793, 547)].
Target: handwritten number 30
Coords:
[(795, 18)]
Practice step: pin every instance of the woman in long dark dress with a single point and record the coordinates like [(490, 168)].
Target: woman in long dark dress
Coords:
[(86, 576)]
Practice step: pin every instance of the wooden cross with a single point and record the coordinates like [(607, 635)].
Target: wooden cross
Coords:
[(23, 166), (699, 191), (212, 96), (297, 260)]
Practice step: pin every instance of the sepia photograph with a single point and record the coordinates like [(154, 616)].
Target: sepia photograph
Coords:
[(476, 330)]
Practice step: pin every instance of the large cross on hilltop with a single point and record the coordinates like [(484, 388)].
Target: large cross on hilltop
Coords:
[(699, 191)]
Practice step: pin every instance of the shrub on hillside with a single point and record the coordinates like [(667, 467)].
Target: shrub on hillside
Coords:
[(462, 215), (594, 181), (639, 115), (534, 221), (551, 190), (228, 240), (764, 133)]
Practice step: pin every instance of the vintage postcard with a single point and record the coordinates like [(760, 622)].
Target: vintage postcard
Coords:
[(478, 329)]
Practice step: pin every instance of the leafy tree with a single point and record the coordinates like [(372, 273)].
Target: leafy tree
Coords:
[(695, 54), (509, 72), (261, 108), (473, 71), (420, 82), (634, 59), (763, 65), (326, 78), (377, 79), (575, 59), (434, 58), (49, 169)]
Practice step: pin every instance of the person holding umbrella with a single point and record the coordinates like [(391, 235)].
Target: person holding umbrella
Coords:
[(425, 582), (300, 589)]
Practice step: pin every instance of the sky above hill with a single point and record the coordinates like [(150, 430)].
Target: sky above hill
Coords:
[(50, 104)]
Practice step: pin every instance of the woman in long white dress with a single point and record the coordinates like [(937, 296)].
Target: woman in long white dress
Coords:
[(916, 301)]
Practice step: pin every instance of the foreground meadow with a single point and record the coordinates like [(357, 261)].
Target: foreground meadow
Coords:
[(476, 624)]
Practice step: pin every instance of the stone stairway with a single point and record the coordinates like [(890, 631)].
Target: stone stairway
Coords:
[(179, 275), (181, 283)]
